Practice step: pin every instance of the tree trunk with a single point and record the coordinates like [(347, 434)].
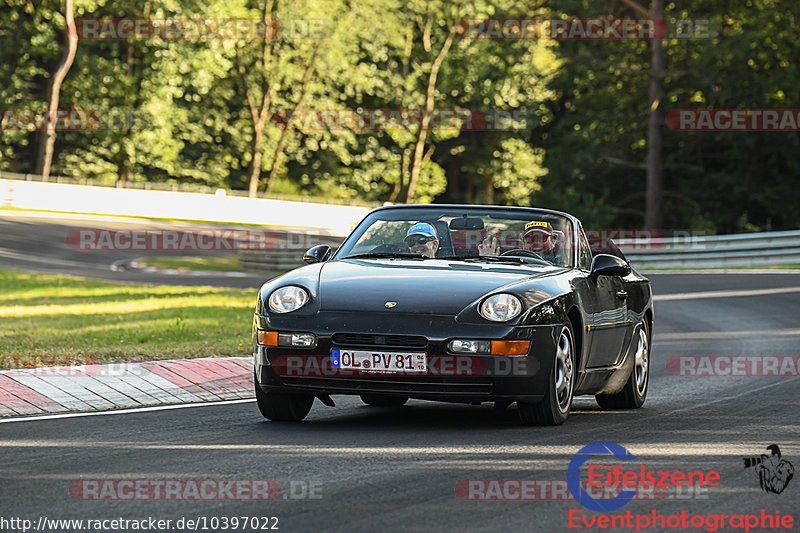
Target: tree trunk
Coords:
[(258, 114), (276, 156), (654, 196), (488, 189), (398, 187), (125, 165), (419, 149), (48, 141), (255, 173)]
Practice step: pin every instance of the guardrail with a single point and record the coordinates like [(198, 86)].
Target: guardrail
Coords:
[(286, 256), (715, 251)]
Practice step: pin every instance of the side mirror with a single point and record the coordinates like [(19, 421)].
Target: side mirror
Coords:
[(609, 265), (317, 254)]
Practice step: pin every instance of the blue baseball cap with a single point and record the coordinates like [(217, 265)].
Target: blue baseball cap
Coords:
[(422, 228)]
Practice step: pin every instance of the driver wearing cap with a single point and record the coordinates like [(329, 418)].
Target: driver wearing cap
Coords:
[(422, 239), (538, 237)]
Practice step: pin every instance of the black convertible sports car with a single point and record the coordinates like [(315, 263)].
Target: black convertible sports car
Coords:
[(456, 303)]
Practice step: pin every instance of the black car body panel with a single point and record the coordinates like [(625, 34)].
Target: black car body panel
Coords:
[(436, 300)]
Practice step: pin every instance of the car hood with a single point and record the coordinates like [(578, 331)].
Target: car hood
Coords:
[(429, 287)]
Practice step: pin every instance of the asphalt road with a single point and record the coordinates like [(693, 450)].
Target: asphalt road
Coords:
[(396, 469), (39, 242)]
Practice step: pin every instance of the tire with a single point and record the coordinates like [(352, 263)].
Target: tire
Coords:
[(281, 407), (553, 410), (633, 395), (383, 401)]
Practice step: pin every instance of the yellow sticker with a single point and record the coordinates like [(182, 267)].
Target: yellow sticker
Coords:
[(537, 223)]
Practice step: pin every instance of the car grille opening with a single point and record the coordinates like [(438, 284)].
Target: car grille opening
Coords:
[(366, 339)]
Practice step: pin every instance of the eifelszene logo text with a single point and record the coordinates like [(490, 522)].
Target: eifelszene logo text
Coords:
[(600, 475)]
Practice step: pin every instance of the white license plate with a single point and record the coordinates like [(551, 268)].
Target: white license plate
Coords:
[(372, 361)]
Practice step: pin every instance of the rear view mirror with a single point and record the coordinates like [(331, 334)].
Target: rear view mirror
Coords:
[(466, 223)]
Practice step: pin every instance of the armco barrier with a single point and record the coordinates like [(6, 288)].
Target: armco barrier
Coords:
[(59, 197), (750, 249), (285, 257), (716, 251), (719, 251)]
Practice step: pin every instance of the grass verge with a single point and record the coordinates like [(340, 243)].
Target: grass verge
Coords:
[(56, 320)]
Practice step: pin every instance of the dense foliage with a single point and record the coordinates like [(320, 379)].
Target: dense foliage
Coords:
[(567, 119)]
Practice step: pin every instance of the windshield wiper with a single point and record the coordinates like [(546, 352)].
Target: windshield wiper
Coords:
[(487, 258), (379, 255)]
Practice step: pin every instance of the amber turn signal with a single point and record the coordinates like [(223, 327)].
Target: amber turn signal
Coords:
[(267, 338), (510, 347)]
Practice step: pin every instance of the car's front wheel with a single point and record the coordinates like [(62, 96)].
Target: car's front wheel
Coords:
[(632, 396), (383, 401), (553, 410), (282, 407)]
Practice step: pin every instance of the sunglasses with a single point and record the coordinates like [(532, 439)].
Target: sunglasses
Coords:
[(537, 237), (418, 241)]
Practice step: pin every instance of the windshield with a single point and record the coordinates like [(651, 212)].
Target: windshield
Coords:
[(530, 236)]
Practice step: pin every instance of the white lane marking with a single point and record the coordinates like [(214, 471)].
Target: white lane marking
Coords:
[(121, 265), (49, 260), (124, 411), (733, 397), (693, 450), (699, 335), (133, 265), (723, 271), (722, 294)]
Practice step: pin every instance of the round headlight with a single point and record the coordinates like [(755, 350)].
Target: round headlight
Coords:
[(501, 307), (287, 299)]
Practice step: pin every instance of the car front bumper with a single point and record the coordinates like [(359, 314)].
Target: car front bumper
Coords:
[(450, 377)]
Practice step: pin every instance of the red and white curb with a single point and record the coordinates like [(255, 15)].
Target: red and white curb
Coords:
[(35, 391)]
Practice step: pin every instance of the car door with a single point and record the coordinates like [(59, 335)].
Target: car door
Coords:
[(608, 319)]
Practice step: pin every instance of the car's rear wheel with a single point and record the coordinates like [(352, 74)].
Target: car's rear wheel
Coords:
[(632, 396), (553, 410), (282, 407), (383, 401)]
